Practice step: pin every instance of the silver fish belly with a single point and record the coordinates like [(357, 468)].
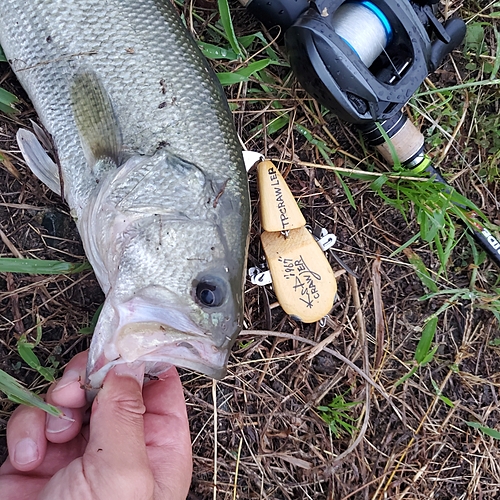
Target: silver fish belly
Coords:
[(151, 168)]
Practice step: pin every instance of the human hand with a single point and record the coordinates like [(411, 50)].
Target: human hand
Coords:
[(136, 445)]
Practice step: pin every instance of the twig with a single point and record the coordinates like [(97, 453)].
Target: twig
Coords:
[(14, 304), (352, 171), (236, 471), (445, 151), (378, 308), (10, 245)]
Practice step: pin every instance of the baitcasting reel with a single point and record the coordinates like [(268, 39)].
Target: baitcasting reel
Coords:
[(363, 60)]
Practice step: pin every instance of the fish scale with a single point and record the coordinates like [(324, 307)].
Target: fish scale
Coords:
[(155, 180)]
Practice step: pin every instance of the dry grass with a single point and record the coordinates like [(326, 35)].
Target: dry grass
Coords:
[(257, 434)]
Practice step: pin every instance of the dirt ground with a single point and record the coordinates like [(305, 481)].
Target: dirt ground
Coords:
[(270, 441)]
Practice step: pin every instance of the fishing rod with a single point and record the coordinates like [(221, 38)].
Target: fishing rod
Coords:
[(363, 60)]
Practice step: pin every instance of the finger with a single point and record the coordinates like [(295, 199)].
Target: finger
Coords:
[(29, 428), (68, 391), (167, 435), (69, 396), (26, 438), (166, 398), (31, 486), (57, 457), (115, 460), (63, 429)]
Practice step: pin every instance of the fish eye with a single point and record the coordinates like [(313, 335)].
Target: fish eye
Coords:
[(210, 292)]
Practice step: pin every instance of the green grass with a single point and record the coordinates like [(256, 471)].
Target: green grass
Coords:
[(7, 100), (336, 416), (36, 266), (11, 387), (488, 431), (466, 109), (17, 393), (435, 210), (235, 50), (25, 348)]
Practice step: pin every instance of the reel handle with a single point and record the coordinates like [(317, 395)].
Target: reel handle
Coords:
[(455, 28)]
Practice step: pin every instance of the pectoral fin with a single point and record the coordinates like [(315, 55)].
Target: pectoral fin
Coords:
[(38, 160), (95, 120)]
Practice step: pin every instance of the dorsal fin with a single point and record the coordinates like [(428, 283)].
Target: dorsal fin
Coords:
[(95, 119)]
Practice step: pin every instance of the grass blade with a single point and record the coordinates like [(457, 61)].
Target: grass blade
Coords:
[(19, 394), (485, 430), (347, 190), (25, 350), (427, 359), (406, 376), (444, 399), (211, 51), (421, 270), (243, 74), (227, 24), (89, 330), (468, 85), (404, 246), (426, 340), (496, 65), (34, 266), (6, 102), (325, 152)]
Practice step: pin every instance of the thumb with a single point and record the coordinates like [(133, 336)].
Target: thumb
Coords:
[(115, 459)]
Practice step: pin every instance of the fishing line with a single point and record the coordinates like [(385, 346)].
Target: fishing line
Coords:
[(364, 28)]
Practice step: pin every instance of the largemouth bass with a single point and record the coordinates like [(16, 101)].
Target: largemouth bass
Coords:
[(150, 165)]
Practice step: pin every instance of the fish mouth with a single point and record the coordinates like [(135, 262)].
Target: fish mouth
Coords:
[(158, 347), (137, 338), (158, 343)]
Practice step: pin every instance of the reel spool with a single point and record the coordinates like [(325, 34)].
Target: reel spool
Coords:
[(364, 28)]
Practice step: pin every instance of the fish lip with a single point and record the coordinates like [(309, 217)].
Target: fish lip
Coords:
[(151, 339), (168, 318), (159, 347)]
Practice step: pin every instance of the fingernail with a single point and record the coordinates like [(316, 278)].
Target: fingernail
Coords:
[(134, 370), (55, 425), (69, 377), (26, 451)]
